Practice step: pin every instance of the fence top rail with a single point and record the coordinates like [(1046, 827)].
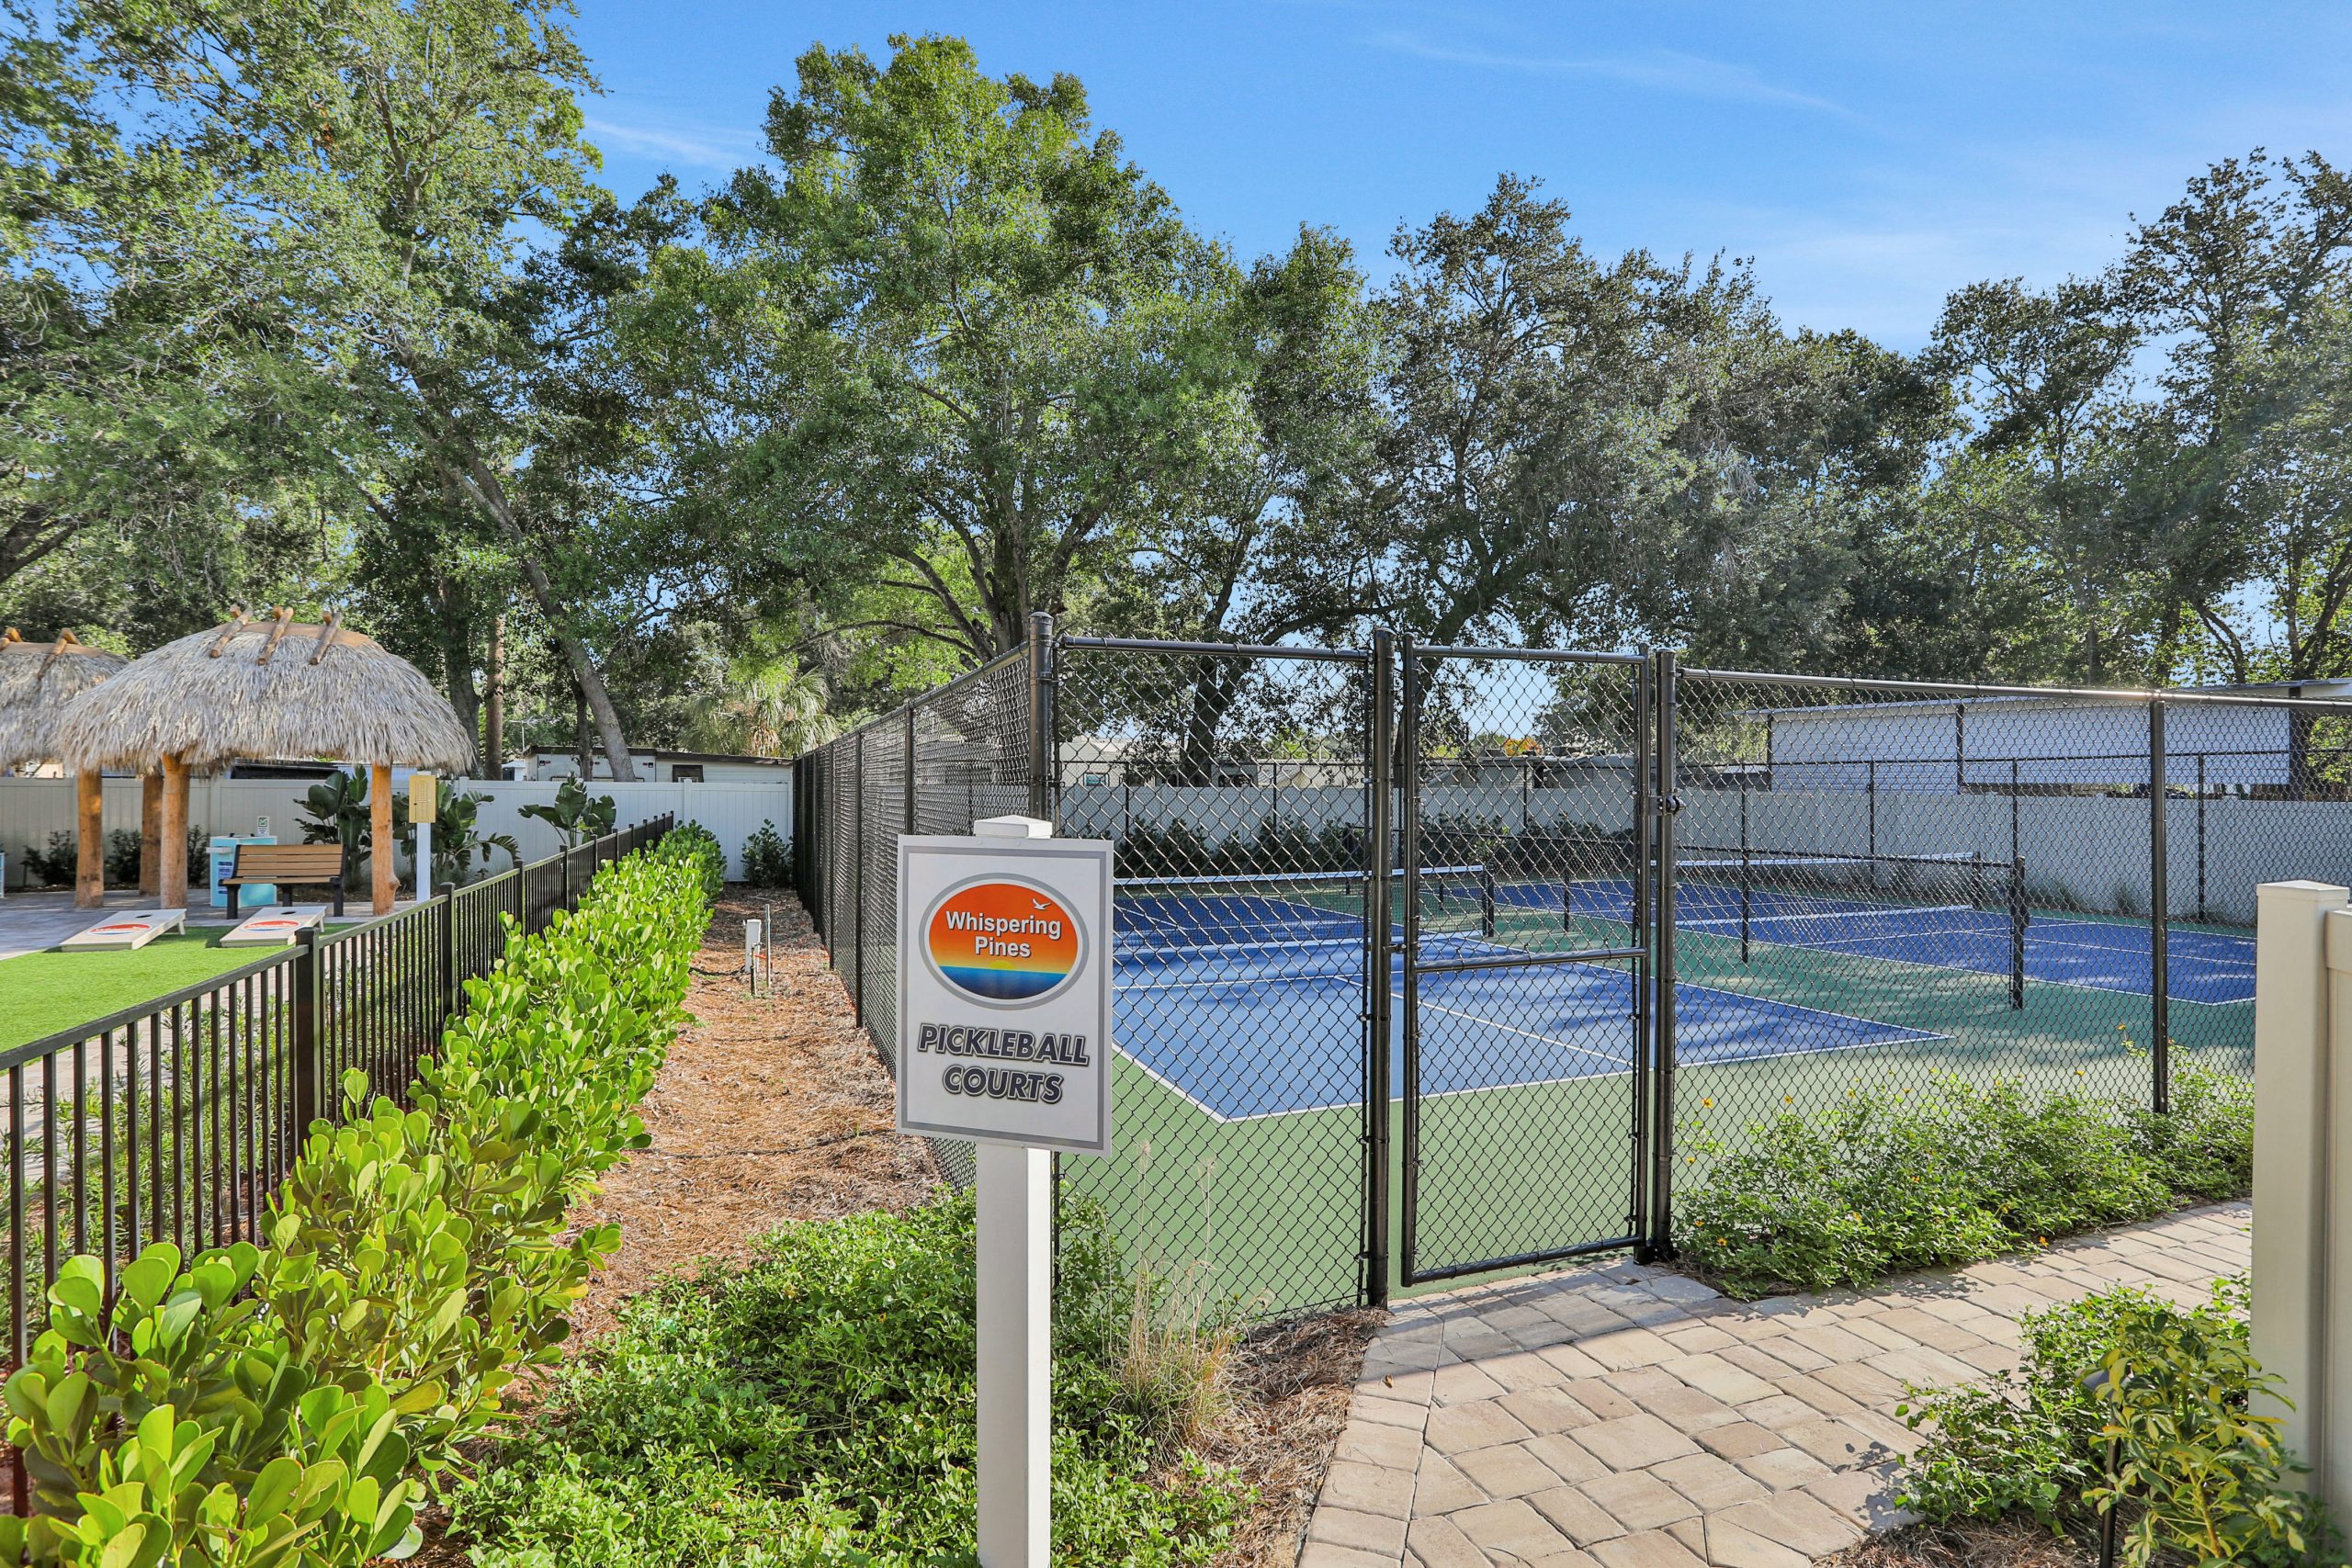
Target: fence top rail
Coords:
[(1212, 649), (921, 700), (65, 1038), (1523, 655), (1965, 689)]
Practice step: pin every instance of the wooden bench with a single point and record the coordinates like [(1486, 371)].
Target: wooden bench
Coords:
[(304, 865)]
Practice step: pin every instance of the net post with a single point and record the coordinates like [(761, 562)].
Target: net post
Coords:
[(1668, 802), (1745, 897), (1409, 756), (1380, 747), (1486, 874), (2201, 838), (1870, 803), (2159, 913)]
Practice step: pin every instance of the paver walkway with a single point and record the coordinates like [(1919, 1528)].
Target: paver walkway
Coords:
[(1633, 1418)]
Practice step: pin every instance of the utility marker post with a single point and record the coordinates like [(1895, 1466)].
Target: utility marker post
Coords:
[(1004, 1038)]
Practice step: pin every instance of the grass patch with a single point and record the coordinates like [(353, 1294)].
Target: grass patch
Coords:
[(1894, 1178), (41, 993), (817, 1405)]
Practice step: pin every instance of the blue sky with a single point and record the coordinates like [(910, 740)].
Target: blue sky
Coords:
[(1869, 157)]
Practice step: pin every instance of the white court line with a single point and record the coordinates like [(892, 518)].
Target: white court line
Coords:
[(1909, 1037)]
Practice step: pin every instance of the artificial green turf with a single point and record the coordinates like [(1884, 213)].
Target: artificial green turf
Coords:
[(41, 993)]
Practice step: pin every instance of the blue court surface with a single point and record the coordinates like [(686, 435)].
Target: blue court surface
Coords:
[(1250, 1032), (2204, 967), (1235, 997)]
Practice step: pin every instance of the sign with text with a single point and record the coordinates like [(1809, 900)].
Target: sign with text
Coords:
[(1004, 990)]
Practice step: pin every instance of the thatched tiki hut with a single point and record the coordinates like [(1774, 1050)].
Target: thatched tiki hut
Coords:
[(263, 689), (36, 679)]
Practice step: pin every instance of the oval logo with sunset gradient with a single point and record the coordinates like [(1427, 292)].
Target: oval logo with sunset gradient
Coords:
[(1002, 940)]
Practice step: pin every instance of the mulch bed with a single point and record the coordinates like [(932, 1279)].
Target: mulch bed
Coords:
[(2000, 1543), (776, 1109)]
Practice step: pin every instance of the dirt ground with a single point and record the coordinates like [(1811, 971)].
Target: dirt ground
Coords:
[(776, 1109)]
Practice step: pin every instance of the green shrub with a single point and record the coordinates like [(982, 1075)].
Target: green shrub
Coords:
[(818, 1403), (767, 859), (55, 866), (1895, 1178), (122, 858), (418, 1260), (2202, 1478), (692, 841)]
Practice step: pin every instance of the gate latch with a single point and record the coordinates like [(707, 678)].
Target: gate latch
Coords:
[(1668, 805)]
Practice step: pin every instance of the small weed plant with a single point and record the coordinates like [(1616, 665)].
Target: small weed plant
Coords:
[(817, 1405), (2201, 1476), (1894, 1179)]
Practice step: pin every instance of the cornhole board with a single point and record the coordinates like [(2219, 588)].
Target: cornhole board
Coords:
[(276, 926), (136, 928)]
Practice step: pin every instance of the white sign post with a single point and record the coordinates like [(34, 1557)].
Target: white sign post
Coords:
[(1004, 1038)]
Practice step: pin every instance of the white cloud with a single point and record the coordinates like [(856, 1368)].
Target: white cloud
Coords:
[(722, 148), (1657, 70)]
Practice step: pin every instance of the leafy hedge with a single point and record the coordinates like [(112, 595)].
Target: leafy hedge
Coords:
[(1894, 1178), (2203, 1477), (818, 1406), (255, 1407)]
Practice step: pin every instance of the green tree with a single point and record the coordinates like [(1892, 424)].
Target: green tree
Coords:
[(369, 178), (955, 348)]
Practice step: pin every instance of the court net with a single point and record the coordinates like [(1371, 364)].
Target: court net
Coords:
[(1957, 911), (1263, 912)]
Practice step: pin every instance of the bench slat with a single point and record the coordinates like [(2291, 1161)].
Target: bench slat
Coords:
[(286, 863)]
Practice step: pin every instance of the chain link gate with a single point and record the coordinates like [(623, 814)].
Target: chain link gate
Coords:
[(1529, 1023)]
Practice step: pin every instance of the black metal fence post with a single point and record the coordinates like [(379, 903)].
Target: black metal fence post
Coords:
[(1668, 802), (451, 977), (908, 815), (1380, 745), (304, 1047), (1409, 811), (2159, 913), (1041, 716), (1639, 931), (857, 885)]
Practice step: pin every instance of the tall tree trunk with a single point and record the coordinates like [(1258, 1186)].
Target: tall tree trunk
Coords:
[(493, 699), (580, 732), (491, 494), (454, 621)]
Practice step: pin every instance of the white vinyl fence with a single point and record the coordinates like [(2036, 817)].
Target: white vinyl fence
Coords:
[(2302, 1143), (32, 810), (2080, 852)]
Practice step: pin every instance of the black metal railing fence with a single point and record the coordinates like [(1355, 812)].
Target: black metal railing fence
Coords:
[(175, 1120)]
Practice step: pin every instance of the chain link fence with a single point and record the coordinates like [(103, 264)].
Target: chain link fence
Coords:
[(1436, 961)]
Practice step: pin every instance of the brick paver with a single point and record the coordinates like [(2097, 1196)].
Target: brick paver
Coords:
[(1628, 1417)]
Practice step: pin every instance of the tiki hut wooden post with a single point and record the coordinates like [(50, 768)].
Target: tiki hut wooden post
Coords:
[(171, 833), (380, 840), (151, 832), (269, 688), (37, 682)]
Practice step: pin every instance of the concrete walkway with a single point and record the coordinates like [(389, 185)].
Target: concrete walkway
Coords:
[(1630, 1418)]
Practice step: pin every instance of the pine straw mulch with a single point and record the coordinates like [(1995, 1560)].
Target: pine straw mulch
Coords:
[(1998, 1544), (777, 1109)]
